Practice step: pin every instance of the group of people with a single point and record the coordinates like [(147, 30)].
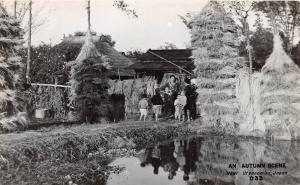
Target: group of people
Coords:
[(177, 155), (172, 100)]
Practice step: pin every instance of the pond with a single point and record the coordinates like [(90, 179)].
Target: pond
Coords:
[(212, 161)]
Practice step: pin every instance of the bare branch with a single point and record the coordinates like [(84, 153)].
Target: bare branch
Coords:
[(123, 6)]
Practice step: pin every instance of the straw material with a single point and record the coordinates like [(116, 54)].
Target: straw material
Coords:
[(133, 89), (217, 61), (89, 83), (10, 70), (280, 97)]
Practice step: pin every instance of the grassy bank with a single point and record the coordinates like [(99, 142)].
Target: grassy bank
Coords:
[(79, 153)]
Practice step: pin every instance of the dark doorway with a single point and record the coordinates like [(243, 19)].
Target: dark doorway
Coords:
[(118, 107)]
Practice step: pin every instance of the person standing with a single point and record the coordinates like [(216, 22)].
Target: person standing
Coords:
[(157, 103), (190, 110), (167, 107), (143, 106), (174, 88), (180, 103)]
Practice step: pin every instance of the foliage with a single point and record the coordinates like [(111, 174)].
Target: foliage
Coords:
[(107, 39), (284, 14), (296, 54), (186, 19), (103, 37), (168, 45), (134, 53), (261, 42), (46, 61), (123, 6), (54, 100), (81, 33), (241, 10)]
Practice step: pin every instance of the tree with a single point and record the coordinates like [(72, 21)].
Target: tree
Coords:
[(102, 37), (49, 61), (285, 15), (107, 39), (134, 53), (168, 45), (123, 6), (186, 19), (261, 42), (21, 9), (11, 67), (241, 10), (46, 62)]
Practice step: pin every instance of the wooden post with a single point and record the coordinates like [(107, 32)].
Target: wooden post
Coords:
[(55, 83), (249, 48), (15, 8), (119, 74), (89, 15), (29, 43)]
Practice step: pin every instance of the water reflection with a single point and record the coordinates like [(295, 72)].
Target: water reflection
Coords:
[(197, 160)]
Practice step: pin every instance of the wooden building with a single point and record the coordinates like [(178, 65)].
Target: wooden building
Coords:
[(158, 63)]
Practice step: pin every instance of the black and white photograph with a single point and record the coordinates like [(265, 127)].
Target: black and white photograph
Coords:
[(149, 92)]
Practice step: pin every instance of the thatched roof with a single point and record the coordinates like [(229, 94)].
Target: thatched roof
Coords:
[(151, 62), (160, 65), (169, 54), (117, 61)]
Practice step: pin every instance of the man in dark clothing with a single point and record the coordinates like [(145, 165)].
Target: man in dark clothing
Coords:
[(190, 110), (191, 157), (157, 103), (167, 107), (155, 159)]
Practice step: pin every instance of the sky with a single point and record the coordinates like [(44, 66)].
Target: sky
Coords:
[(158, 21)]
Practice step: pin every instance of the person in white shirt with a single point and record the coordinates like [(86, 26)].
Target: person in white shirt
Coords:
[(179, 103), (143, 106)]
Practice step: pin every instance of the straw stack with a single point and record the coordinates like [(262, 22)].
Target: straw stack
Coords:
[(11, 68), (280, 94), (217, 61), (89, 83)]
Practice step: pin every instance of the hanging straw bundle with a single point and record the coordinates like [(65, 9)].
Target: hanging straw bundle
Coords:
[(132, 90)]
